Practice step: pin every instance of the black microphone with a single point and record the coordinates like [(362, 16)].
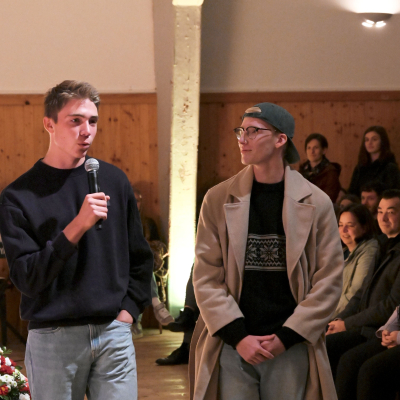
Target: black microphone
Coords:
[(92, 166)]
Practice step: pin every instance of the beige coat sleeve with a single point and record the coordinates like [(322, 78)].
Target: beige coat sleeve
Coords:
[(217, 305), (322, 267)]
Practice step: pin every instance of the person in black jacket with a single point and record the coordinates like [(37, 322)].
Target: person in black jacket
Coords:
[(376, 162), (82, 287), (351, 338)]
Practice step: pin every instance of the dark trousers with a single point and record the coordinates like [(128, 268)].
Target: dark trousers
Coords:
[(347, 352), (379, 376)]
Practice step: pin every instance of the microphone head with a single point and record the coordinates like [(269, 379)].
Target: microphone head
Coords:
[(92, 164)]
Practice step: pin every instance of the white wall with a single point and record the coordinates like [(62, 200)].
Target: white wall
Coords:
[(109, 44), (298, 45)]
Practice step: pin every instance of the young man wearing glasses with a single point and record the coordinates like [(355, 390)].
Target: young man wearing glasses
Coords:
[(267, 274)]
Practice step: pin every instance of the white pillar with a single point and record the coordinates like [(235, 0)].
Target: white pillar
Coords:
[(184, 143)]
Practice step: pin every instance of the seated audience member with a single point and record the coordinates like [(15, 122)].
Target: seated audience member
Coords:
[(342, 193), (376, 162), (371, 196), (379, 376), (356, 229), (318, 169), (351, 338), (184, 323), (347, 200), (150, 232)]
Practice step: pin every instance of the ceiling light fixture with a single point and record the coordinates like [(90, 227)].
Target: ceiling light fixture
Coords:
[(376, 20)]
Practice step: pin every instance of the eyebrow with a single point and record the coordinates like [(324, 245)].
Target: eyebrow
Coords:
[(83, 116), (389, 208)]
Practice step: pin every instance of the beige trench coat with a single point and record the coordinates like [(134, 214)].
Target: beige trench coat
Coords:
[(314, 266)]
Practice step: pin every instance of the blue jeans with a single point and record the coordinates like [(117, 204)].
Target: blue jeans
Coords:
[(65, 363)]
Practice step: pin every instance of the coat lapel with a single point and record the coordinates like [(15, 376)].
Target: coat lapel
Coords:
[(237, 215), (297, 217)]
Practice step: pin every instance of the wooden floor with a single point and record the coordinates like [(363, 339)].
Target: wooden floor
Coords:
[(155, 382)]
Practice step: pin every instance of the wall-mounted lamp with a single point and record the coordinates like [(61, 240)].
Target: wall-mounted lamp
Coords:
[(376, 20)]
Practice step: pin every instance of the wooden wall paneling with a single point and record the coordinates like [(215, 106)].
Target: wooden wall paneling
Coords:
[(129, 116), (137, 142), (3, 149), (394, 127), (40, 136), (141, 147), (341, 116), (27, 152), (152, 160), (9, 144)]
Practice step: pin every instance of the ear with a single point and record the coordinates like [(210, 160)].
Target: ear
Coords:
[(324, 151), (48, 124), (281, 141)]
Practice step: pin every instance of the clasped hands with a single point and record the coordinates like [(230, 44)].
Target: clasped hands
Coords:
[(389, 339), (257, 349), (336, 326)]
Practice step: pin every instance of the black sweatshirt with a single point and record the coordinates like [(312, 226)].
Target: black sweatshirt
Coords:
[(61, 284), (266, 300)]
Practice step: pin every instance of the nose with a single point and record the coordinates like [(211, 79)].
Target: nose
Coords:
[(385, 217), (242, 138), (85, 129), (345, 229)]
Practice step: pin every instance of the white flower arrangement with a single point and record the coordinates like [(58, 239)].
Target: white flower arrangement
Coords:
[(13, 384)]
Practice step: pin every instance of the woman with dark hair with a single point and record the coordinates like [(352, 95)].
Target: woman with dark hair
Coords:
[(318, 169), (356, 229), (376, 162)]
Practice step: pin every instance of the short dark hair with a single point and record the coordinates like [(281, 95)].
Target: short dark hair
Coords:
[(364, 218), (352, 197), (317, 136), (373, 186), (58, 96), (391, 194)]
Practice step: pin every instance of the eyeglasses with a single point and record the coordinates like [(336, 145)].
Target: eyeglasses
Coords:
[(250, 132)]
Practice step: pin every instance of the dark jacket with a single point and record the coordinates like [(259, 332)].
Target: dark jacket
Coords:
[(374, 302), (384, 171), (325, 176)]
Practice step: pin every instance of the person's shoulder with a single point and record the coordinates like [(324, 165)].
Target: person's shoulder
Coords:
[(391, 167), (333, 167), (303, 166), (22, 183), (316, 197), (111, 171), (370, 245), (223, 187), (106, 166)]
